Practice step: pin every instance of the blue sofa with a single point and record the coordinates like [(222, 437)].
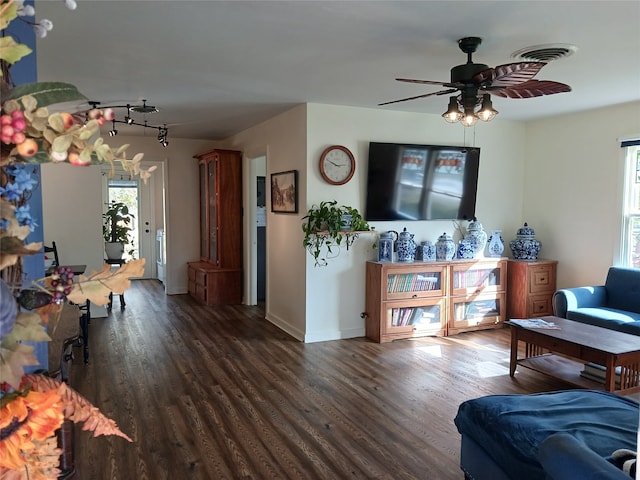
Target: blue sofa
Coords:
[(614, 305), (562, 435)]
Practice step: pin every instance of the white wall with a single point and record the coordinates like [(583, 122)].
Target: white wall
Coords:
[(324, 303), (72, 206), (573, 189), (562, 175), (336, 293), (72, 213), (282, 140)]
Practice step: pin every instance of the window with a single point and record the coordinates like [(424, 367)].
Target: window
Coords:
[(631, 207)]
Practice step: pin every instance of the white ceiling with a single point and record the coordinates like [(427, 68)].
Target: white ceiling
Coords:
[(214, 68)]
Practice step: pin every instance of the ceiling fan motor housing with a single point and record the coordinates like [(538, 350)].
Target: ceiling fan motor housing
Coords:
[(464, 73)]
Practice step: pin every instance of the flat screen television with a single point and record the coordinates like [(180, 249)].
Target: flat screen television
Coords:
[(421, 182)]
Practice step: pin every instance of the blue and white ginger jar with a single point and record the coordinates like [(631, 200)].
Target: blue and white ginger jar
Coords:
[(428, 251), (477, 237), (406, 247), (525, 246), (465, 249), (445, 247)]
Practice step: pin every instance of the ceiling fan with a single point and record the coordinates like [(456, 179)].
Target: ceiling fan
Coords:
[(476, 82)]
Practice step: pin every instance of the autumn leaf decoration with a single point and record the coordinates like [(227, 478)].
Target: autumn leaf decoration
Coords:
[(75, 406), (98, 285)]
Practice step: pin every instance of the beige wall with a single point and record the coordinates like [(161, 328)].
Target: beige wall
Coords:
[(72, 206), (562, 175), (316, 304), (573, 189)]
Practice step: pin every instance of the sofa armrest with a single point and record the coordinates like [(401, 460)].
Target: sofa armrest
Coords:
[(563, 457), (578, 297)]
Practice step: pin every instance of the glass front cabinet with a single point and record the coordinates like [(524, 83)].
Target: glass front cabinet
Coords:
[(433, 298), (478, 295), (217, 277)]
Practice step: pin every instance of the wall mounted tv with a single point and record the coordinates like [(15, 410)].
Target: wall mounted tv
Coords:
[(421, 182)]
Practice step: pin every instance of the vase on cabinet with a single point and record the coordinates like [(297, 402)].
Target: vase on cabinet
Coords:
[(477, 237), (406, 246), (445, 247), (525, 246), (385, 247), (465, 249), (495, 244)]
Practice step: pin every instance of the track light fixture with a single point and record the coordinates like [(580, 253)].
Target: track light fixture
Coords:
[(163, 131)]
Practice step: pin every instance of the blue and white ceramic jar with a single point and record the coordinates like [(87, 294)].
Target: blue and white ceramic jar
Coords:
[(495, 244), (428, 251), (385, 247), (445, 247), (525, 246), (465, 249), (477, 237), (406, 247)]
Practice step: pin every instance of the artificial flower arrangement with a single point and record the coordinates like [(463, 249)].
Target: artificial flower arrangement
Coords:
[(33, 406)]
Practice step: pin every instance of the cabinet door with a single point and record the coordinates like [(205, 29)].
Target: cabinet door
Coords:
[(478, 277), (476, 311), (418, 317), (204, 224), (415, 282), (213, 210)]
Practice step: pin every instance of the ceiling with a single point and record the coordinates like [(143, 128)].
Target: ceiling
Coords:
[(214, 68)]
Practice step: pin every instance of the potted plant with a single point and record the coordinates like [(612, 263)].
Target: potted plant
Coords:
[(327, 226), (115, 229)]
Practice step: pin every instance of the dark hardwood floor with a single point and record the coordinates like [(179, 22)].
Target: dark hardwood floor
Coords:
[(220, 393)]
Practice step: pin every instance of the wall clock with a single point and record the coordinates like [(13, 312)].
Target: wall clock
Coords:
[(337, 165)]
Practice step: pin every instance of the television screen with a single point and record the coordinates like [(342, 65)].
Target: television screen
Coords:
[(421, 182)]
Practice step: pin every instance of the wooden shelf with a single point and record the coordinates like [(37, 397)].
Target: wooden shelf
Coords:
[(561, 367), (455, 291)]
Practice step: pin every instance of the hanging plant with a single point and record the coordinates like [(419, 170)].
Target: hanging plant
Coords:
[(327, 227)]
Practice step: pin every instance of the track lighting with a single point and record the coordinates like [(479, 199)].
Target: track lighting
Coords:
[(163, 131)]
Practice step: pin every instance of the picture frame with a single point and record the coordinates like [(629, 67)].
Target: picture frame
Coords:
[(284, 192)]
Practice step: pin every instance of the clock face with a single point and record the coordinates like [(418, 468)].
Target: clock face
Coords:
[(337, 165)]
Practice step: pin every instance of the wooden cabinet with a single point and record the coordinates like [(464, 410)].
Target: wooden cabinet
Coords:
[(530, 287), (405, 300), (478, 294), (217, 277)]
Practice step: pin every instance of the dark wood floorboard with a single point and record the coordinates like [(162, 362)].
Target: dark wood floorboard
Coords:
[(220, 393)]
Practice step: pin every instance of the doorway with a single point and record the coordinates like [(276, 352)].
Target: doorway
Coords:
[(256, 259), (139, 197)]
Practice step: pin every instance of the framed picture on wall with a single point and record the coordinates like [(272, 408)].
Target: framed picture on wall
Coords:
[(284, 192)]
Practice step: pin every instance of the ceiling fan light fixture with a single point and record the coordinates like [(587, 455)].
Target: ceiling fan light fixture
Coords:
[(453, 114), (469, 119), (487, 112)]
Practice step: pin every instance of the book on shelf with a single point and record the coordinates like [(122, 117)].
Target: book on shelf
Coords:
[(597, 373)]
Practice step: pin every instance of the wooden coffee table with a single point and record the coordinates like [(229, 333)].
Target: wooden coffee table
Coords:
[(563, 352)]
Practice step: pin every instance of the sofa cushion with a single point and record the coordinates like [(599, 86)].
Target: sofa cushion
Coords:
[(563, 457), (511, 427), (623, 289), (623, 321)]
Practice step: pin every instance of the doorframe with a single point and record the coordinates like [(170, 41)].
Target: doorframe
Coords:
[(146, 212), (256, 163)]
